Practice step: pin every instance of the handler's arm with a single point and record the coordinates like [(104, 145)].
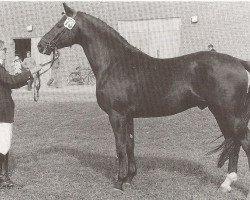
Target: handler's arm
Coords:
[(14, 81)]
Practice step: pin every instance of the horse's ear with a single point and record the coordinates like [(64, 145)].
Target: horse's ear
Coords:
[(69, 11)]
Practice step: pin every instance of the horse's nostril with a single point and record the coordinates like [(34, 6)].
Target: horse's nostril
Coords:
[(40, 48)]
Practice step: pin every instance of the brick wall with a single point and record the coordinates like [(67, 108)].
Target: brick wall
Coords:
[(224, 24)]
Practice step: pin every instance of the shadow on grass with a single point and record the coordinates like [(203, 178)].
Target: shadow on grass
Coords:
[(107, 165)]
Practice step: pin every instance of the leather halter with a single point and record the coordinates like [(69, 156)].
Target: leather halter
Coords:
[(52, 45)]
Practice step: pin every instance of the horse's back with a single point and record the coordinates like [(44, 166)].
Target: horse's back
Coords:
[(147, 86)]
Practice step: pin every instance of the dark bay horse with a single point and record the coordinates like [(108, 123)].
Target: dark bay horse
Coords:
[(131, 84)]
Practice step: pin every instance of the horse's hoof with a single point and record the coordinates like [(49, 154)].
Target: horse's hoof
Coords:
[(127, 185), (117, 192), (118, 186), (225, 189)]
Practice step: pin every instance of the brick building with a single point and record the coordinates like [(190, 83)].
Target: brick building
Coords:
[(161, 29)]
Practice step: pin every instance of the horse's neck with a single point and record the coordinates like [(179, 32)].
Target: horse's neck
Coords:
[(103, 49), (100, 54)]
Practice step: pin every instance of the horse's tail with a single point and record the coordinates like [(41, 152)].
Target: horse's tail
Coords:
[(228, 146)]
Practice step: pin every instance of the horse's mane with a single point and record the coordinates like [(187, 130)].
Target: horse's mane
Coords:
[(107, 30)]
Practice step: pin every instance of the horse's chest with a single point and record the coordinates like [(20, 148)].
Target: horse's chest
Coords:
[(113, 95)]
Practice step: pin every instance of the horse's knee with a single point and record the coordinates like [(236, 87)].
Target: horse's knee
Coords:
[(121, 151)]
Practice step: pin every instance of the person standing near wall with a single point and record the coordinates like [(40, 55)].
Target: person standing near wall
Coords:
[(16, 65), (29, 64), (55, 78), (7, 107), (211, 47)]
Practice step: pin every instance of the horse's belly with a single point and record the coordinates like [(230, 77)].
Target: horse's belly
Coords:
[(147, 101), (162, 107)]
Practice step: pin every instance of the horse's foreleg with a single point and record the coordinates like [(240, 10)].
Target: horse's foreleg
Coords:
[(119, 126), (130, 151)]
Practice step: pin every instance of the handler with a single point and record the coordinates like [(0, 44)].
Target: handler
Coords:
[(55, 69), (8, 82)]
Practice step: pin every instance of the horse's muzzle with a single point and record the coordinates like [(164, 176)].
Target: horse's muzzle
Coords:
[(44, 48)]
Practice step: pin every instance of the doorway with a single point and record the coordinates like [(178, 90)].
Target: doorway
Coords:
[(21, 47), (159, 38)]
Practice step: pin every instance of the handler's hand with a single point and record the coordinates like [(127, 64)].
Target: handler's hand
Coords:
[(35, 70)]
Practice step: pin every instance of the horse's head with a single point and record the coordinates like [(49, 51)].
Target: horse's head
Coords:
[(63, 34)]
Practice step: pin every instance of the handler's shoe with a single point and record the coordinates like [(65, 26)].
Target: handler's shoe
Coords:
[(5, 182)]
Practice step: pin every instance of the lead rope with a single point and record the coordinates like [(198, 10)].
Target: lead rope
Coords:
[(37, 85), (37, 78)]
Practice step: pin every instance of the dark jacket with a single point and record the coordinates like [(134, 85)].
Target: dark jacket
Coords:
[(8, 82)]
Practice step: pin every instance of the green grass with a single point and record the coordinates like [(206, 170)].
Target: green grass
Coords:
[(67, 151)]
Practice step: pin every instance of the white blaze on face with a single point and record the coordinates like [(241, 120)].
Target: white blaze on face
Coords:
[(248, 81)]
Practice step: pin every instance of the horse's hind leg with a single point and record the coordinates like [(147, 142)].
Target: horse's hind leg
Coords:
[(246, 147), (119, 124), (130, 151), (240, 136), (232, 169), (231, 146)]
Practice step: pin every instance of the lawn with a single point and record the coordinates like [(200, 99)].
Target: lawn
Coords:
[(66, 150)]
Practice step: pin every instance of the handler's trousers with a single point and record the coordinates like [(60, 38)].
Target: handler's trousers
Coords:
[(5, 142), (5, 137)]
